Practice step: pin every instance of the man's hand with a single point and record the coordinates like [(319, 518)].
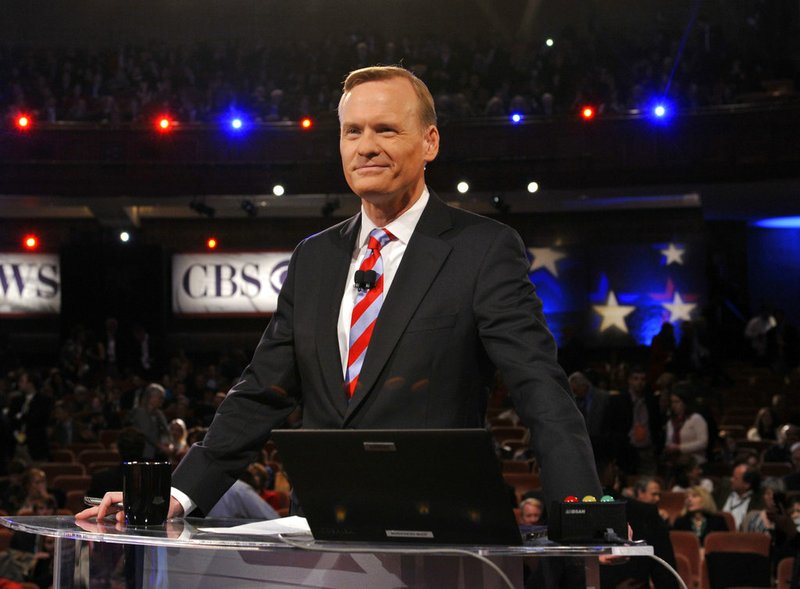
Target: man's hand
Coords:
[(108, 506)]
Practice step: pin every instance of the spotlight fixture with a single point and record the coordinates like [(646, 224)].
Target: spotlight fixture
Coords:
[(499, 203), (278, 190), (249, 207), (200, 207), (462, 187)]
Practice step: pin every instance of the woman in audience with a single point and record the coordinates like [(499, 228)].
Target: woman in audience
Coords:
[(688, 473), (34, 481), (179, 445), (700, 515), (761, 520), (687, 430)]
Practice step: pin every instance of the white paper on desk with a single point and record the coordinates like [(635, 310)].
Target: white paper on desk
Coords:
[(272, 527)]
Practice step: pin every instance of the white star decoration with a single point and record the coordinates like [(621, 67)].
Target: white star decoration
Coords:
[(613, 313), (673, 254), (545, 257), (678, 310)]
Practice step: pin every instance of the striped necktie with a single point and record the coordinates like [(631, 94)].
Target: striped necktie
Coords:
[(367, 306)]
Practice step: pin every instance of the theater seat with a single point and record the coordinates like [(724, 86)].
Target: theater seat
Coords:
[(737, 559)]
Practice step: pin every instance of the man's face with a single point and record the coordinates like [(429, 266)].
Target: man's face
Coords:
[(383, 144), (636, 382), (738, 483), (651, 494), (579, 389)]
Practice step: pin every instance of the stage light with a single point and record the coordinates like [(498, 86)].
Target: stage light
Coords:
[(516, 118), (236, 123), (549, 42), (587, 112), (462, 187), (212, 243), (124, 236), (660, 111), (23, 122), (164, 124), (779, 223), (30, 242), (499, 203), (278, 190), (533, 187), (306, 123)]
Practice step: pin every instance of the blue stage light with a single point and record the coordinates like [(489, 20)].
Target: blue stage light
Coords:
[(516, 118), (234, 123), (660, 111), (779, 223)]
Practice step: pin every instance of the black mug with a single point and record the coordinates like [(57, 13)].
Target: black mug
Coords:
[(146, 491)]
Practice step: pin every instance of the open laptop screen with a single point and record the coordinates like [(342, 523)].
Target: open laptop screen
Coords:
[(426, 486)]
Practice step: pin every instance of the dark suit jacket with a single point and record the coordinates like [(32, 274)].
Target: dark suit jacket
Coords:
[(460, 304)]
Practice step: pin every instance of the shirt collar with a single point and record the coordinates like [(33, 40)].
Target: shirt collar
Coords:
[(402, 227)]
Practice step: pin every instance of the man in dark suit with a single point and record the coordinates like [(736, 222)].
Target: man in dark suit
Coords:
[(593, 405), (130, 445), (457, 302)]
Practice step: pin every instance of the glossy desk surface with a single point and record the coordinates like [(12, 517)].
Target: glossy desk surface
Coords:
[(186, 533)]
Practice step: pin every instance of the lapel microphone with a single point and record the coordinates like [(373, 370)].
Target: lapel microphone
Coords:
[(365, 279)]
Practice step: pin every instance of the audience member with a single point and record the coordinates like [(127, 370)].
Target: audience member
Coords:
[(742, 492), (792, 480), (700, 515), (634, 425), (593, 404), (687, 431), (787, 436), (761, 520), (648, 490), (687, 473), (34, 481), (531, 510), (149, 419), (243, 501), (130, 445), (178, 446)]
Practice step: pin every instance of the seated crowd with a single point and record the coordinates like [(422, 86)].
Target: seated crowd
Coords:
[(275, 80), (662, 440)]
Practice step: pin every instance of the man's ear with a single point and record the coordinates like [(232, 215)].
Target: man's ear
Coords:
[(431, 143)]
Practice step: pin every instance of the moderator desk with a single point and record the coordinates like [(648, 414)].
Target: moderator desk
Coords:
[(91, 555)]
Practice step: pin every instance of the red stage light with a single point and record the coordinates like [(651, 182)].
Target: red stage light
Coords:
[(164, 124), (306, 123), (587, 112), (211, 243), (23, 122), (30, 242)]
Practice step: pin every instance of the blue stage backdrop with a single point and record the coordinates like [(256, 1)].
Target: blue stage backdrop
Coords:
[(621, 294), (773, 268)]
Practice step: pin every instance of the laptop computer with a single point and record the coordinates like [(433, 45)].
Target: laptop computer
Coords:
[(428, 486)]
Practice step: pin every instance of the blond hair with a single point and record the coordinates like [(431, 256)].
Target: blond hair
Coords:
[(707, 502), (426, 108)]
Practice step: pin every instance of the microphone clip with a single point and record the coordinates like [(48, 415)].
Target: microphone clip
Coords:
[(365, 279)]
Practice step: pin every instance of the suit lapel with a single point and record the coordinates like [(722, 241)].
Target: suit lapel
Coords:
[(422, 260), (333, 275)]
